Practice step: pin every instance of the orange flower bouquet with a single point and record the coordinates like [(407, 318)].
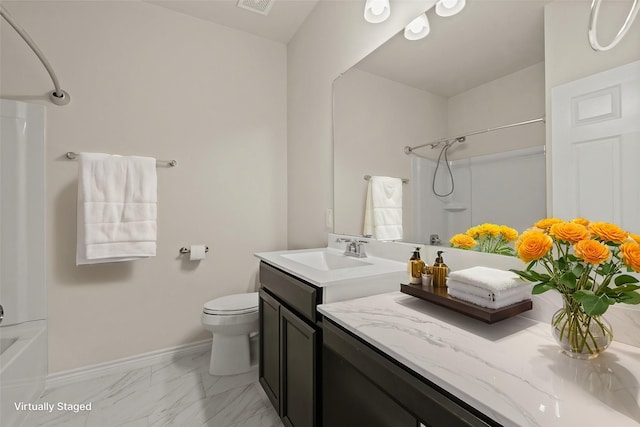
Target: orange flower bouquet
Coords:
[(586, 263), (491, 238)]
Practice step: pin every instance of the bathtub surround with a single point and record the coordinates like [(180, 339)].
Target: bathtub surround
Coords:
[(23, 293), (148, 81)]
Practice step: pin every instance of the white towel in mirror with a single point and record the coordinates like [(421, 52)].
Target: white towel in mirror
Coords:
[(383, 208)]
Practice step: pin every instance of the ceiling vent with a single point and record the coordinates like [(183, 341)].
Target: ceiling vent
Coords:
[(259, 6)]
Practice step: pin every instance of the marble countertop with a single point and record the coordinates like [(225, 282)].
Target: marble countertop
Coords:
[(512, 370)]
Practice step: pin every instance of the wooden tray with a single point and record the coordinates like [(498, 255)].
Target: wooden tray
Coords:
[(441, 297)]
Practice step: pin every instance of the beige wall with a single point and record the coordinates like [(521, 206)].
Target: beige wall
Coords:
[(568, 54), (144, 80), (513, 98), (375, 118), (333, 38)]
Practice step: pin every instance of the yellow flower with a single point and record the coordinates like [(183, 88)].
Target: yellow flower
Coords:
[(492, 230), (631, 255), (581, 221), (591, 251), (462, 241), (508, 233), (473, 232), (608, 232), (545, 224), (533, 245), (635, 237), (571, 232)]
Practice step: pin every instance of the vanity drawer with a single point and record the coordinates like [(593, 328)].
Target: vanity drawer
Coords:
[(294, 292)]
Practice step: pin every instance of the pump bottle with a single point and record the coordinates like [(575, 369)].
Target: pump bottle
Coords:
[(439, 272), (415, 267)]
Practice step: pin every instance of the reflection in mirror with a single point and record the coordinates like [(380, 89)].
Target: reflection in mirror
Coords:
[(480, 69)]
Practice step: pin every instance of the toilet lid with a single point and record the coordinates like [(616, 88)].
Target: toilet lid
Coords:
[(233, 304)]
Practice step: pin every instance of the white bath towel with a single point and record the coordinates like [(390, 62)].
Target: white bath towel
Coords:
[(487, 303), (487, 278), (522, 292), (383, 209), (117, 208)]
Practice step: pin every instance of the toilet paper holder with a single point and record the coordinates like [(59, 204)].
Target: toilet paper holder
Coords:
[(185, 250)]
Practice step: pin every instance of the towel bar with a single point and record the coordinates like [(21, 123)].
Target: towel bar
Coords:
[(72, 156), (368, 177)]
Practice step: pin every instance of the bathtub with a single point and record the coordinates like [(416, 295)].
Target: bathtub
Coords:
[(23, 368)]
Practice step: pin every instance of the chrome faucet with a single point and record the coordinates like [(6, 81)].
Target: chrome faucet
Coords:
[(354, 247), (434, 239)]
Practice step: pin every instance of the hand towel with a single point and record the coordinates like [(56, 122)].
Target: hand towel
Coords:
[(523, 291), (487, 278), (482, 302), (383, 208), (117, 208)]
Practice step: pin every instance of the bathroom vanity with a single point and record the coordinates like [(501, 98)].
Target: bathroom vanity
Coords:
[(292, 284), (395, 360), (341, 346)]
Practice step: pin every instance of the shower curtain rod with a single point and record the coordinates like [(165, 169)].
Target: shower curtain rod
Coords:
[(57, 96), (462, 137)]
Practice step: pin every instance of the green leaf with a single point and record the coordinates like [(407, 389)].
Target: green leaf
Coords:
[(630, 298), (624, 279), (569, 279), (540, 288), (578, 270), (525, 275), (592, 304), (562, 264)]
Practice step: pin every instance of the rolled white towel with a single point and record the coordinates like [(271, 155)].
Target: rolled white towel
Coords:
[(482, 302), (487, 278), (523, 290)]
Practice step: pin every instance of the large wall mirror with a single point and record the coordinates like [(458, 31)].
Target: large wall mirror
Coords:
[(480, 69)]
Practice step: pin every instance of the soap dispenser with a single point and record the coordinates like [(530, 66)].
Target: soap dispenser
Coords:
[(439, 272), (415, 267)]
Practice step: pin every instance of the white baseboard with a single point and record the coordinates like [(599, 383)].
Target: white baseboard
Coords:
[(133, 362)]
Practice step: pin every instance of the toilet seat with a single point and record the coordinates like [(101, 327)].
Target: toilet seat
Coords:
[(231, 305)]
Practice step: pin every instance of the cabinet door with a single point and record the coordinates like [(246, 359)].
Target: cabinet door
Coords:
[(269, 362), (298, 367)]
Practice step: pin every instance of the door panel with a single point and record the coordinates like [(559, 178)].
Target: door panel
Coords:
[(595, 147), (269, 371), (298, 349)]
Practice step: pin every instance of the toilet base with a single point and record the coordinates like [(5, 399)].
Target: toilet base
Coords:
[(230, 355)]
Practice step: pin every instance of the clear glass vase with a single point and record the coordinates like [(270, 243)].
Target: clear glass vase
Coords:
[(580, 335)]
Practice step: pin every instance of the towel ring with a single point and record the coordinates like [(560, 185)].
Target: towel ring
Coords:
[(593, 22)]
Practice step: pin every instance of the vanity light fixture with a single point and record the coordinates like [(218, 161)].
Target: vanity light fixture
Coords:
[(449, 7), (376, 11), (418, 28)]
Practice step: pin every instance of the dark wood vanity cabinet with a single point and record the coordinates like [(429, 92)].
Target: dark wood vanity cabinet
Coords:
[(289, 346), (361, 386)]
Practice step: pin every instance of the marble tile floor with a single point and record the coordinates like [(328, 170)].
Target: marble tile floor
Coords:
[(179, 393)]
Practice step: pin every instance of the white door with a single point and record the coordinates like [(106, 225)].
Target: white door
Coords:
[(595, 152)]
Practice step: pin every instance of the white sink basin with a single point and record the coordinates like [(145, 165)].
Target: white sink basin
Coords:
[(325, 261)]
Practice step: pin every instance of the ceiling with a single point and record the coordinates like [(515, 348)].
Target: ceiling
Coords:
[(281, 23), (487, 40)]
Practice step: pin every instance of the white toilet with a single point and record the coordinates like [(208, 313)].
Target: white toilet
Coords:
[(231, 319)]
